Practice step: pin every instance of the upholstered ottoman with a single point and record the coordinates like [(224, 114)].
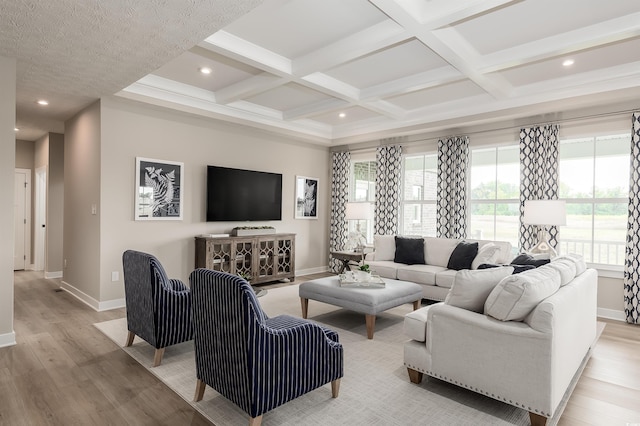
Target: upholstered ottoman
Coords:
[(369, 301)]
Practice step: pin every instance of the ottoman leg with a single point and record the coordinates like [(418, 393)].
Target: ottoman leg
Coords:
[(305, 307), (371, 323)]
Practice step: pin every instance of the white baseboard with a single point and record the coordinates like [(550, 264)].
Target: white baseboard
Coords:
[(310, 271), (611, 314), (52, 275), (8, 339), (90, 301)]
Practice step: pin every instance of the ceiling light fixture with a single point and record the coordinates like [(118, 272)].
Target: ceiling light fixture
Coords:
[(43, 102), (342, 115), (15, 129), (568, 62), (205, 70)]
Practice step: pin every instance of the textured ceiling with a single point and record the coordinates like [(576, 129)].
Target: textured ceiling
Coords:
[(72, 52), (392, 67)]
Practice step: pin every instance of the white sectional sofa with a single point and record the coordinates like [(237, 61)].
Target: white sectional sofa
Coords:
[(522, 345), (434, 276)]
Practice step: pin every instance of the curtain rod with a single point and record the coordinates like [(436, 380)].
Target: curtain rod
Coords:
[(386, 141)]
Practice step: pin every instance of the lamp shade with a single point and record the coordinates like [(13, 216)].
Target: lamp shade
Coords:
[(545, 212), (358, 211)]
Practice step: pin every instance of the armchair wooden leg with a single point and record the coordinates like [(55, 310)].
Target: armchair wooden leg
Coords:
[(305, 307), (335, 388), (417, 304), (157, 359), (130, 338), (537, 419), (255, 421), (200, 385), (414, 375), (371, 324)]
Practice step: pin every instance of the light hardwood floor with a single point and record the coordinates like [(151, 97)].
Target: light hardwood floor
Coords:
[(63, 371)]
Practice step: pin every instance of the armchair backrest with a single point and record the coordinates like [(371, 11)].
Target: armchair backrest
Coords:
[(143, 273), (228, 323)]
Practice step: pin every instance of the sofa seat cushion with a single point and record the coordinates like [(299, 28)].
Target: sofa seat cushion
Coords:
[(517, 295), (445, 278), (415, 324), (437, 251), (384, 268), (471, 288), (421, 274)]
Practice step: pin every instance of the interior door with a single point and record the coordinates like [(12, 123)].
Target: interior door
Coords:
[(20, 221)]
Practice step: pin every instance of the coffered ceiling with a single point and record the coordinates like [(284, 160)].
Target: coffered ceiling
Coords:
[(341, 71)]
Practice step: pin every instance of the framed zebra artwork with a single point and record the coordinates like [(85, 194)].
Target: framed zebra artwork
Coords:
[(159, 185), (306, 198)]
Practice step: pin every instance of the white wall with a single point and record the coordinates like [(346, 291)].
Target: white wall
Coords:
[(7, 167)]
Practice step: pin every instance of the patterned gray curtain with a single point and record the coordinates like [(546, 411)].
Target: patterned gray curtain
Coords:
[(539, 147), (388, 175), (632, 251), (339, 232), (453, 167)]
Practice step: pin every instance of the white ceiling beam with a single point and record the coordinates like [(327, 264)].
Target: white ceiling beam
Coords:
[(614, 30), (376, 37), (331, 86), (460, 53), (316, 108), (250, 87), (384, 108), (412, 83), (246, 52)]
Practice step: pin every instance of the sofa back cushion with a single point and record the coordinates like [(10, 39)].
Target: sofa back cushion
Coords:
[(503, 256), (437, 251), (517, 295), (384, 246), (471, 288), (566, 267)]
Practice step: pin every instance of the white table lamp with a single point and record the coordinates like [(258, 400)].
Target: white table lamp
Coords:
[(543, 213), (358, 211)]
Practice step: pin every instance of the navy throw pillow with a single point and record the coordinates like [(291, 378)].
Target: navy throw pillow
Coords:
[(527, 259), (463, 256), (409, 251)]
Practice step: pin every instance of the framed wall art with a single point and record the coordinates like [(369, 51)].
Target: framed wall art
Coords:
[(306, 198), (159, 189)]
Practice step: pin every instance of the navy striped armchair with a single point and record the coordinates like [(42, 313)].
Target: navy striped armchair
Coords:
[(158, 308), (258, 363)]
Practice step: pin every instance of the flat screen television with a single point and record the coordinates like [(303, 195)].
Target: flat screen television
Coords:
[(243, 195)]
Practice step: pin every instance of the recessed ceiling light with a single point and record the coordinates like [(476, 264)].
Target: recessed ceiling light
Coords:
[(15, 129), (568, 62), (43, 102), (205, 70), (342, 115)]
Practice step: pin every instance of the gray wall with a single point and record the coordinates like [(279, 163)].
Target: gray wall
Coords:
[(49, 153), (81, 229), (7, 168), (106, 160)]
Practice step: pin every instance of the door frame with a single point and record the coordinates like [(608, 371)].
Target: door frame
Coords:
[(40, 219), (28, 224)]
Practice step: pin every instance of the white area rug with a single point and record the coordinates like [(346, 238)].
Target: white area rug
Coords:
[(375, 389)]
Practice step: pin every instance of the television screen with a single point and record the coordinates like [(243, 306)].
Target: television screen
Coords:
[(243, 195)]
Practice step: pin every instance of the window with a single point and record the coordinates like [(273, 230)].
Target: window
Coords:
[(494, 206), (362, 187), (594, 181), (419, 193)]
